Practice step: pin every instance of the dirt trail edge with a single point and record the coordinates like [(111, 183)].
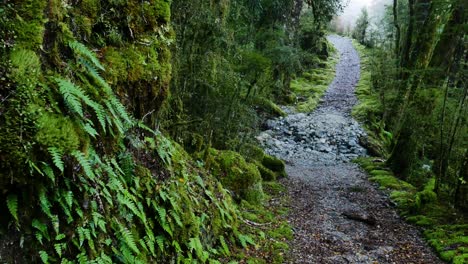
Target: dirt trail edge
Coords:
[(338, 216)]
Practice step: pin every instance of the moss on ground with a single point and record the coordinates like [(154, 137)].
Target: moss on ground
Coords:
[(268, 106), (269, 224), (444, 228), (369, 108), (311, 86)]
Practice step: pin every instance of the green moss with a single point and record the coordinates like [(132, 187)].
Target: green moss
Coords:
[(29, 24), (450, 241), (25, 64), (461, 259), (311, 86), (252, 152), (57, 131), (268, 106), (237, 175), (84, 26), (267, 174), (90, 8), (421, 220), (274, 164)]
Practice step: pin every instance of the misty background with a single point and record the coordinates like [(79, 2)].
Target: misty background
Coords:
[(347, 19)]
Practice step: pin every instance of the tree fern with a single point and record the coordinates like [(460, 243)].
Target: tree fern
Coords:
[(12, 204), (82, 50), (57, 158)]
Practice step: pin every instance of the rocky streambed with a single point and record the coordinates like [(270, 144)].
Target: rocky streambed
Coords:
[(338, 216)]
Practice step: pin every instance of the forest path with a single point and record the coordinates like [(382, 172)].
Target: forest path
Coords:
[(338, 216)]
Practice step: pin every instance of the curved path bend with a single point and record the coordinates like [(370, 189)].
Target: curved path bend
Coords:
[(338, 216)]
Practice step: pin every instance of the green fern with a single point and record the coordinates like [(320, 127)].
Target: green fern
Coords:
[(80, 49), (44, 202), (44, 257), (100, 113), (244, 239), (160, 240), (57, 158), (224, 245), (58, 249), (12, 204), (84, 162), (68, 196), (129, 240), (49, 172), (68, 91), (88, 127)]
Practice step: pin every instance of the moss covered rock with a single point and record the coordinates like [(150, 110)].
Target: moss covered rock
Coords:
[(243, 179), (274, 164)]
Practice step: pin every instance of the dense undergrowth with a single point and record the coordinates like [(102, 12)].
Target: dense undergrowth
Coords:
[(443, 226)]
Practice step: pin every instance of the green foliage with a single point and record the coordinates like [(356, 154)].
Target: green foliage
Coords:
[(12, 204), (360, 32)]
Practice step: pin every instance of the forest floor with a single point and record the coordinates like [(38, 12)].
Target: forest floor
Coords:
[(338, 216)]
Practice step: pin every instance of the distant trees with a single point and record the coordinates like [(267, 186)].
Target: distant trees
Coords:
[(362, 26)]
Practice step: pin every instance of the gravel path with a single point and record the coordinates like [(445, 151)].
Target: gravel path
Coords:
[(337, 214)]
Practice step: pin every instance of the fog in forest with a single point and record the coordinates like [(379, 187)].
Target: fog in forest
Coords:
[(347, 18)]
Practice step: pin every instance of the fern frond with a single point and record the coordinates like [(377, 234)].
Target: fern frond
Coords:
[(44, 202), (92, 71), (90, 130), (44, 256), (224, 246), (68, 196), (82, 258), (129, 240), (150, 245), (57, 158), (244, 239), (160, 241), (84, 162), (12, 204), (68, 89), (176, 217), (121, 110), (116, 119), (82, 50), (49, 172), (100, 113), (58, 249)]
